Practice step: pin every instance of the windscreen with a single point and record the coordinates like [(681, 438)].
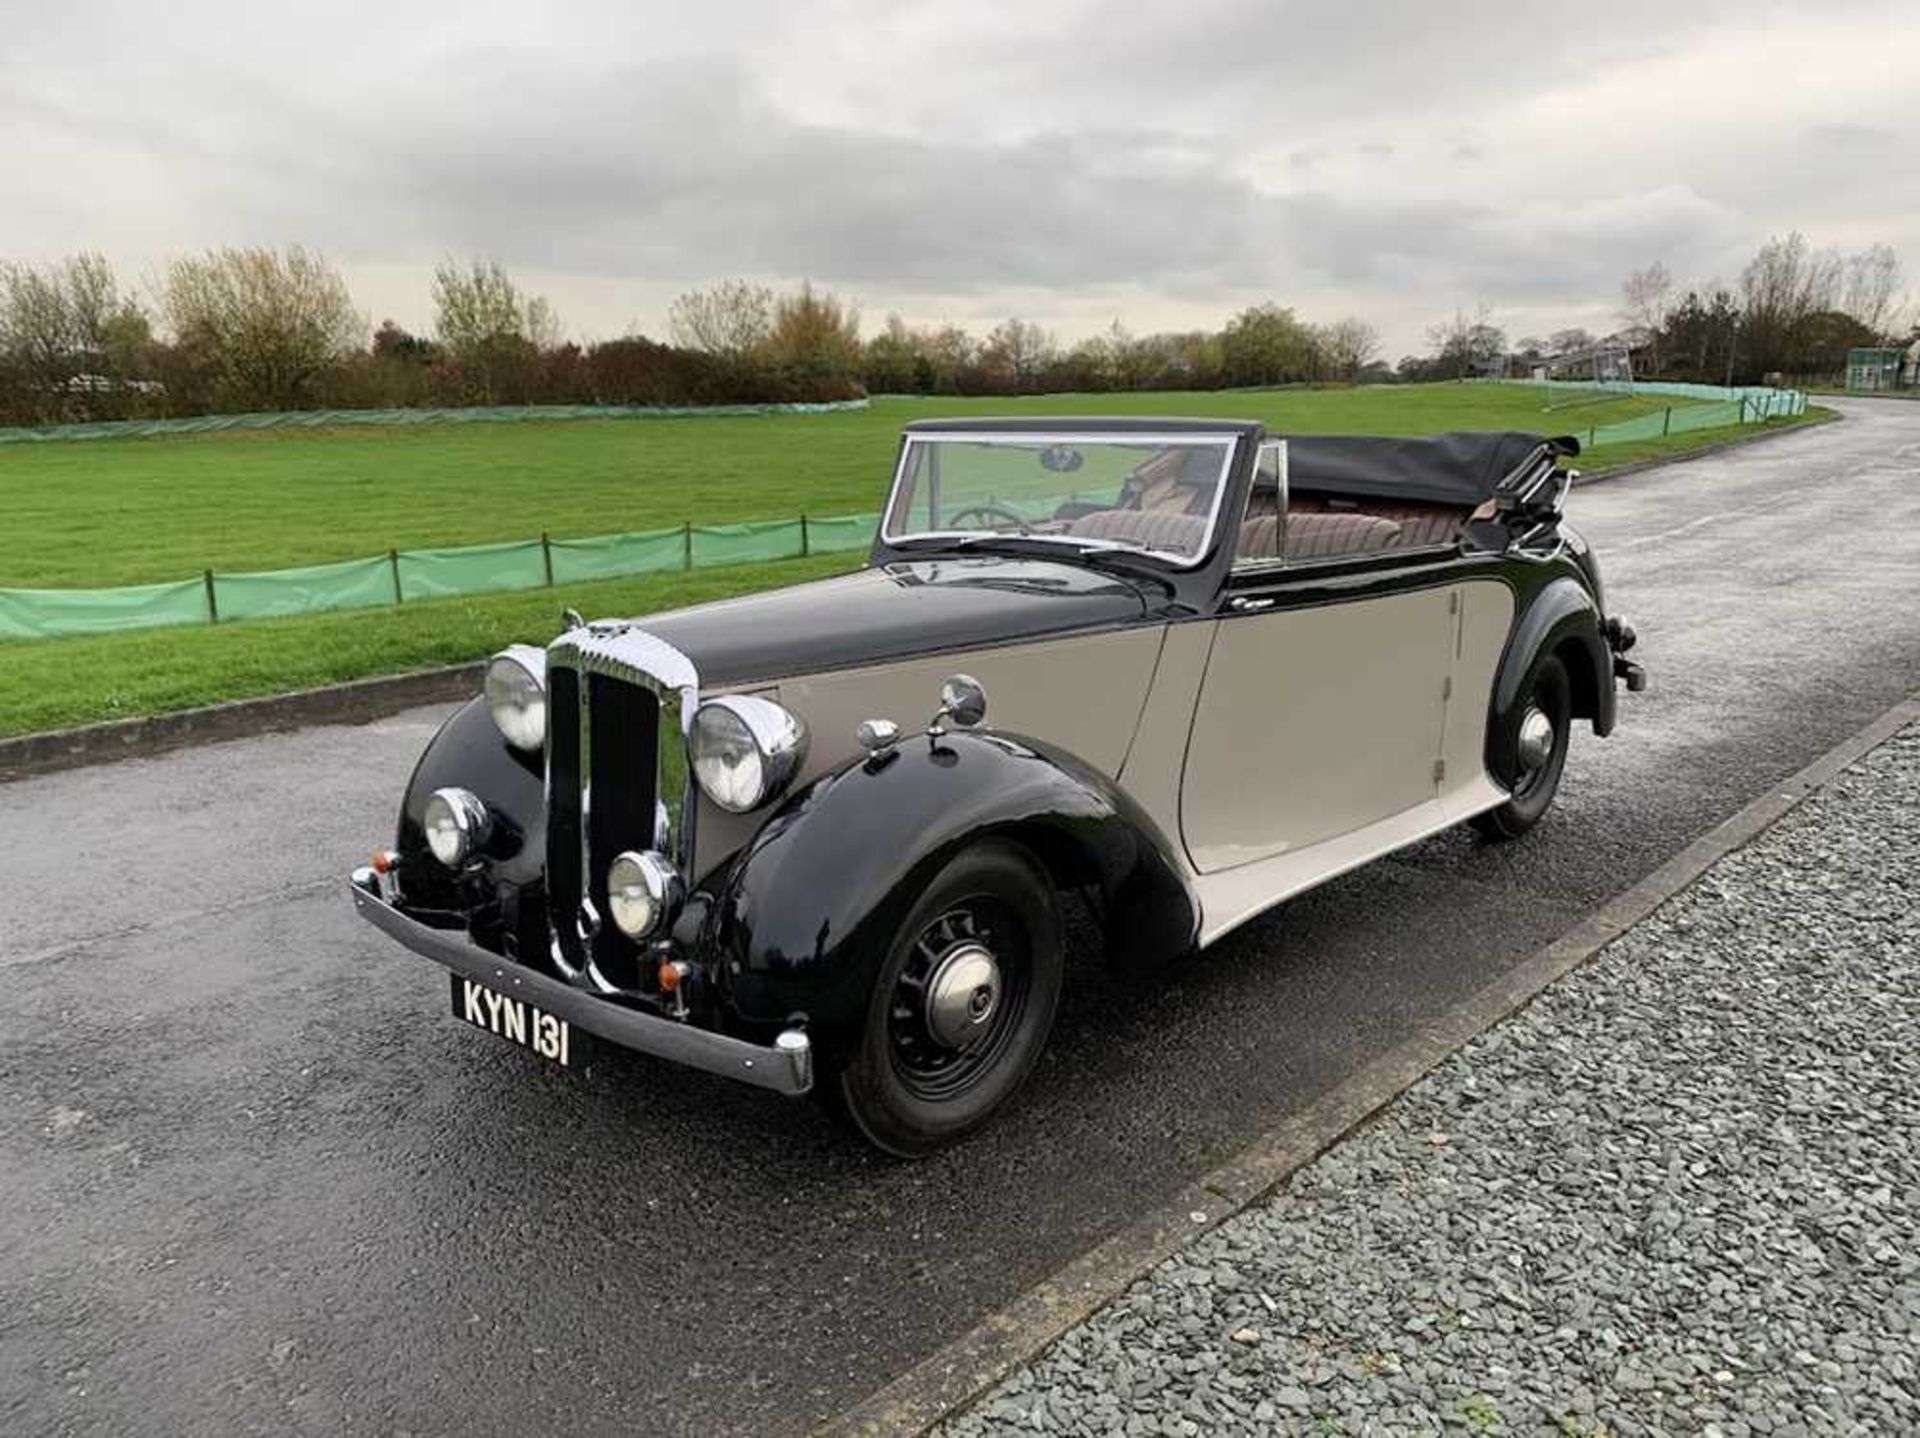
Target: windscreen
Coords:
[(1153, 493)]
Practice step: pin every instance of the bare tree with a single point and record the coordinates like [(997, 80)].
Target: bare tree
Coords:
[(493, 330), (1570, 341), (1784, 285), (948, 352), (1467, 344), (730, 319), (1646, 301), (1019, 351), (268, 322), (541, 323), (36, 328), (1872, 289), (815, 337), (477, 306), (1135, 360), (70, 342), (1348, 345)]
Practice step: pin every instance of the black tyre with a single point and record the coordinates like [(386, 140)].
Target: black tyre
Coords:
[(961, 1006), (1541, 744)]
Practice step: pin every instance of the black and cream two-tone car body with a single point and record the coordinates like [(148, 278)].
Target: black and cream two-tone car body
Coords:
[(817, 838)]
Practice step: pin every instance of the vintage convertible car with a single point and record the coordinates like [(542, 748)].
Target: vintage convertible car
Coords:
[(817, 839)]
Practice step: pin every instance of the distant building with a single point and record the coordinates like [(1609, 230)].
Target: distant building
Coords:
[(1871, 367)]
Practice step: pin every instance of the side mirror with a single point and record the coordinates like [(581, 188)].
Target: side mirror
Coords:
[(963, 701)]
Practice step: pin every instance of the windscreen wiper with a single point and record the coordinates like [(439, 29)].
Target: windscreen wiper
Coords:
[(1082, 543)]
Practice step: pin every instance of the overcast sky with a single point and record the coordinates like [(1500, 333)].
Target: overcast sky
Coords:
[(1162, 161)]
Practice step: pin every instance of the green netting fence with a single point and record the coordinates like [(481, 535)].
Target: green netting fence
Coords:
[(1754, 406), (408, 576), (388, 418), (1759, 402)]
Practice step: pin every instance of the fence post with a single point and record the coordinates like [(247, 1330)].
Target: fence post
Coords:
[(1666, 422), (803, 536), (1592, 431), (546, 556), (393, 563), (686, 545), (213, 608)]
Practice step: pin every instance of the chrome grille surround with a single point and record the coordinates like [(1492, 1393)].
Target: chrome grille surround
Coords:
[(629, 655)]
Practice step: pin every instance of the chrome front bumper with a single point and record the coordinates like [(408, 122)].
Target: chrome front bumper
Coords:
[(785, 1067)]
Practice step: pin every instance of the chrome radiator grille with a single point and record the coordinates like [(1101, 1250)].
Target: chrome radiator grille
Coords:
[(618, 704)]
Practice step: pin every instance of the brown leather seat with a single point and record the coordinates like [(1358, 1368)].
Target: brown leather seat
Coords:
[(1421, 525), (1173, 533), (1318, 536)]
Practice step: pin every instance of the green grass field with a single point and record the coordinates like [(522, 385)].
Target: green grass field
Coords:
[(104, 512), (99, 513)]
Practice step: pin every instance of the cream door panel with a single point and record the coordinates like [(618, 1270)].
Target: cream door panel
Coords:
[(1485, 621), (1151, 773), (1314, 723)]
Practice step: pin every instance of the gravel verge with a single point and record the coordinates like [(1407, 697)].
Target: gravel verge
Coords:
[(1679, 1193)]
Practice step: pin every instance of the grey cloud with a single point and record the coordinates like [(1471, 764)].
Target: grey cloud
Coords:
[(687, 172), (1555, 247), (1198, 149)]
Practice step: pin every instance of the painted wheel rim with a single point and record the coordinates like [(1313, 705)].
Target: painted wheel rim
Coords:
[(958, 1000)]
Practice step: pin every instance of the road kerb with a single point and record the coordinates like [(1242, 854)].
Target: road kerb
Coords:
[(969, 1365), (357, 702)]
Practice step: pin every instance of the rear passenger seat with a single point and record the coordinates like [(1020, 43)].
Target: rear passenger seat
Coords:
[(1173, 533), (1421, 525), (1318, 536)]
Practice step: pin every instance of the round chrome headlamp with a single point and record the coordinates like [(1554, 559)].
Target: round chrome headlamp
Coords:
[(642, 891), (456, 824), (744, 749), (516, 691)]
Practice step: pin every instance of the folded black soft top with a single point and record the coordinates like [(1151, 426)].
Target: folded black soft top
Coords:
[(1463, 468)]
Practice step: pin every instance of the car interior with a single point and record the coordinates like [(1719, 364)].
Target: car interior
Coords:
[(1171, 515)]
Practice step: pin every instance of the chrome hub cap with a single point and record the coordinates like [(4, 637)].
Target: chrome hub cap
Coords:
[(959, 999), (962, 995), (1535, 746)]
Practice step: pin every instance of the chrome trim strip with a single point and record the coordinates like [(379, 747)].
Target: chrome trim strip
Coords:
[(786, 1066)]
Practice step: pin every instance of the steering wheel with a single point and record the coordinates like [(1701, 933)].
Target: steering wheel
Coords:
[(988, 510)]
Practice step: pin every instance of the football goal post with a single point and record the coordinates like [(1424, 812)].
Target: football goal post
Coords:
[(1606, 368)]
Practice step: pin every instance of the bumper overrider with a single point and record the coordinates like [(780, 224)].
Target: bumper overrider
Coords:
[(785, 1066), (1620, 638)]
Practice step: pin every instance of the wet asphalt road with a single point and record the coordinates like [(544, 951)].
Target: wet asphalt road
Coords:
[(253, 1178)]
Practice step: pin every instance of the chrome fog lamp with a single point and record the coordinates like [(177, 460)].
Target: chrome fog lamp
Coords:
[(744, 750), (642, 892), (456, 824), (516, 692)]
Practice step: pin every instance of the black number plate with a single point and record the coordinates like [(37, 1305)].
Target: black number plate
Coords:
[(514, 1020)]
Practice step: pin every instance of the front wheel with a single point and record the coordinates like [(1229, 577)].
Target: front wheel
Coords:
[(962, 1004), (1539, 742)]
